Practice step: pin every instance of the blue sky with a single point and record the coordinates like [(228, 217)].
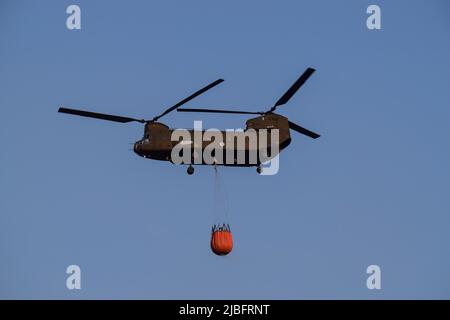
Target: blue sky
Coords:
[(374, 189)]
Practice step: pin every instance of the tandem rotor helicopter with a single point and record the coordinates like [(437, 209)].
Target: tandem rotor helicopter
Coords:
[(157, 144)]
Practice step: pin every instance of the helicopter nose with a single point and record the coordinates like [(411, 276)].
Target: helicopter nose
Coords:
[(137, 148)]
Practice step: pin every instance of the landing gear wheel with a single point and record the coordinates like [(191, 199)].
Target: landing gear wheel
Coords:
[(190, 170), (258, 169)]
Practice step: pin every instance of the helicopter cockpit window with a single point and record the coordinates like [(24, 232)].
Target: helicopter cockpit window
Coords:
[(146, 138)]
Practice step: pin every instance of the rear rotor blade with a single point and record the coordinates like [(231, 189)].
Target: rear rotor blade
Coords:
[(192, 96), (218, 111), (302, 130), (101, 116), (293, 89)]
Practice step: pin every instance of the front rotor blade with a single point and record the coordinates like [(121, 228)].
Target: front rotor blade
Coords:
[(293, 89), (302, 130), (192, 96), (96, 115), (218, 111)]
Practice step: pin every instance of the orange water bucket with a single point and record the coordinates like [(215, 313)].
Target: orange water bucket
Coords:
[(221, 241)]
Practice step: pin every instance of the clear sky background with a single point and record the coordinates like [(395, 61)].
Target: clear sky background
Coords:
[(374, 189)]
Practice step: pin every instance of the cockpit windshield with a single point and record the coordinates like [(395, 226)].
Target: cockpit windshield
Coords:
[(144, 140)]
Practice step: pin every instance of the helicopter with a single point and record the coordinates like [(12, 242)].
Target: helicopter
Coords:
[(157, 142)]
